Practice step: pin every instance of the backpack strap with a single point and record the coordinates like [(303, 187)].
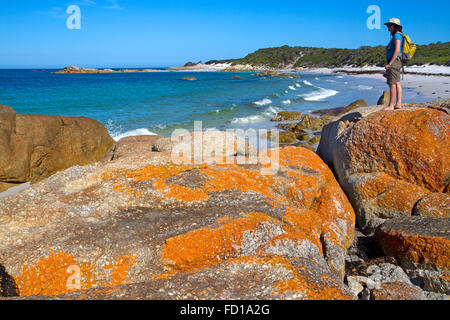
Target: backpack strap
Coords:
[(401, 61), (403, 69)]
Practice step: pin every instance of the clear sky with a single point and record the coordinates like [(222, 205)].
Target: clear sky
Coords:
[(146, 33)]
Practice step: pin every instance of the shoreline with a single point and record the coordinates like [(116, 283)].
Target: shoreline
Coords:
[(430, 81), (428, 86)]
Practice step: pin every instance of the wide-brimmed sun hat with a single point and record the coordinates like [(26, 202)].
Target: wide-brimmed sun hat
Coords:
[(394, 21)]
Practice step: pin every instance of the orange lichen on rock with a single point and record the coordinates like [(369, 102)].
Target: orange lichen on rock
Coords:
[(303, 224), (396, 291), (432, 251), (47, 277), (299, 189), (158, 174), (409, 145), (318, 287), (119, 269), (313, 288), (206, 246), (56, 274), (391, 193)]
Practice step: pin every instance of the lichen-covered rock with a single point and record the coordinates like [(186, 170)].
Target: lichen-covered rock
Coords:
[(387, 161), (375, 276), (33, 147), (422, 247), (249, 278), (433, 205), (181, 231), (397, 291)]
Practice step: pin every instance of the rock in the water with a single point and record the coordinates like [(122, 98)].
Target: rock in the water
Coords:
[(336, 112), (189, 78), (310, 123), (384, 99), (288, 116), (35, 146), (315, 139), (287, 137), (303, 136), (142, 227), (422, 247), (433, 205), (387, 161)]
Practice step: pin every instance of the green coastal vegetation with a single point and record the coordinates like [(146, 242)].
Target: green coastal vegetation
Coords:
[(191, 64), (295, 57)]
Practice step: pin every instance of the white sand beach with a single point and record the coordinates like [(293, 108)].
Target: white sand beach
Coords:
[(433, 87)]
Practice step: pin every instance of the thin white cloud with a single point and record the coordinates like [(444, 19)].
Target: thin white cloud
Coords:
[(113, 4), (60, 13), (90, 3), (56, 12)]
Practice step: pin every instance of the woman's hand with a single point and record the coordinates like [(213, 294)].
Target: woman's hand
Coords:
[(387, 67)]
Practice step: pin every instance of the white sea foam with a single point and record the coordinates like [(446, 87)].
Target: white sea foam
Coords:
[(263, 102), (307, 83), (260, 117), (286, 101), (316, 78), (292, 88), (340, 77), (319, 94), (363, 87), (298, 85), (131, 133), (330, 80)]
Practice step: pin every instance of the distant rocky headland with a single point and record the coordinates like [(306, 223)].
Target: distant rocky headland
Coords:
[(363, 215), (367, 59), (75, 69), (286, 57)]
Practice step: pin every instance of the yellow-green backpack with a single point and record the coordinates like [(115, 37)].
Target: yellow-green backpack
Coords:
[(409, 49)]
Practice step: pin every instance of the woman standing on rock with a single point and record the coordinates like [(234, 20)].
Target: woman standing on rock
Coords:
[(394, 64)]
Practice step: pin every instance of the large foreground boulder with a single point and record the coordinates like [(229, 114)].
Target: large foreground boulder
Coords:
[(387, 161), (33, 147), (141, 227)]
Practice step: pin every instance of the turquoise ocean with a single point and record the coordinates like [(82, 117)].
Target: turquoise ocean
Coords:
[(160, 102)]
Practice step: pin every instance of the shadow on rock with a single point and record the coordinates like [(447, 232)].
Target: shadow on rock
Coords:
[(8, 287)]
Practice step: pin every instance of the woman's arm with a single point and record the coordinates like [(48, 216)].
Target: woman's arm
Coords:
[(396, 53)]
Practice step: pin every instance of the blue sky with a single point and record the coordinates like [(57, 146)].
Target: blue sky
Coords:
[(145, 33)]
